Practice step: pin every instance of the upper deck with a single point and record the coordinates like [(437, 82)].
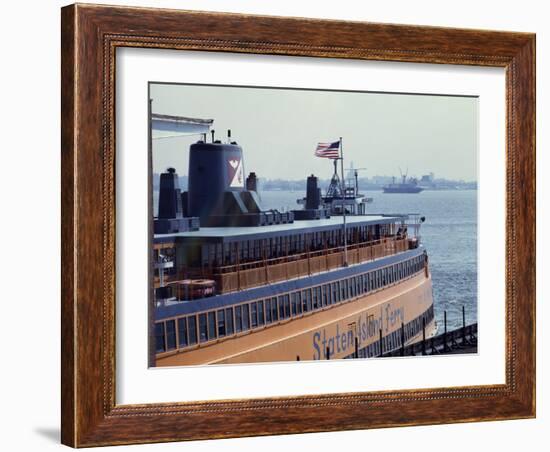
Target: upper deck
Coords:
[(298, 227), (236, 258)]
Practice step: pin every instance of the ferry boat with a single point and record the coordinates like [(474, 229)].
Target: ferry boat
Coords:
[(234, 283)]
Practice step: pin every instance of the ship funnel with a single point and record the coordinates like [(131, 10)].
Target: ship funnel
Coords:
[(252, 182), (169, 195), (216, 190), (214, 169), (313, 193)]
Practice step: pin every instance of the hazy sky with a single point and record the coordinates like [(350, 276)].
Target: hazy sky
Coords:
[(279, 130)]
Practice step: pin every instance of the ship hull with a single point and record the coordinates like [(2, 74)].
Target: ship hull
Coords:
[(351, 329), (402, 190)]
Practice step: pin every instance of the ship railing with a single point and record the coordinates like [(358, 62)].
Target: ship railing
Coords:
[(390, 245), (251, 274)]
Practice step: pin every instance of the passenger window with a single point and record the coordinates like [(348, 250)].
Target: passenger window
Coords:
[(246, 322), (274, 313), (253, 315), (229, 321), (281, 308), (267, 311), (260, 312), (192, 326), (294, 303), (170, 334), (287, 305), (202, 328), (159, 337), (221, 323), (304, 301), (238, 319), (315, 302), (182, 332), (211, 325)]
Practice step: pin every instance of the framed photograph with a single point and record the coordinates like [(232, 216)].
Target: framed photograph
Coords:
[(281, 225)]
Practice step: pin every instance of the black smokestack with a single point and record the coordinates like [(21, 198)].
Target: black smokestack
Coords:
[(169, 195), (213, 170), (252, 182), (313, 193)]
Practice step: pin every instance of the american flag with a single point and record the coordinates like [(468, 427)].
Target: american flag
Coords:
[(328, 150)]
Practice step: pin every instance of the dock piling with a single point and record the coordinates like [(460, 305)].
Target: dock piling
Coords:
[(445, 348), (463, 326), (423, 336), (402, 339)]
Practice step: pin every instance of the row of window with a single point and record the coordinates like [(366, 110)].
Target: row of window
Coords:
[(393, 340), (207, 326), (293, 244)]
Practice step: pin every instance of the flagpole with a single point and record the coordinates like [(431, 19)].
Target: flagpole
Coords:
[(343, 203)]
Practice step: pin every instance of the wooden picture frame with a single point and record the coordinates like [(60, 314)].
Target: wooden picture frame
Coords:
[(90, 37)]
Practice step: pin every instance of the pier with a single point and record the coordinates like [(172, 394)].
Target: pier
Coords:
[(460, 341)]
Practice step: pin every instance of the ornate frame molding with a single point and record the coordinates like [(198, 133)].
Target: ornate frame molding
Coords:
[(90, 37)]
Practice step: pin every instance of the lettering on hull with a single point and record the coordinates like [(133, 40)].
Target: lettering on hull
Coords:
[(337, 340)]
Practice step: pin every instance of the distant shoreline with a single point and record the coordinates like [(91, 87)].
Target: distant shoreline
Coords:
[(380, 189)]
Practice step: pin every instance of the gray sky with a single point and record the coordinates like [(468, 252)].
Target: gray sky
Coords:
[(279, 130)]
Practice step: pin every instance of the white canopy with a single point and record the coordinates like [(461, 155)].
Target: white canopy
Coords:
[(164, 126)]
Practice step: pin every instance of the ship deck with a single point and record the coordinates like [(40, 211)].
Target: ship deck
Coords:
[(175, 308), (298, 226)]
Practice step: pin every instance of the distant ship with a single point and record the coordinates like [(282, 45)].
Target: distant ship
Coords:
[(409, 185)]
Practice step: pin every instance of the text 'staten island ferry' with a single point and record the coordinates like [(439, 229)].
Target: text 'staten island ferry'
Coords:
[(237, 284)]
